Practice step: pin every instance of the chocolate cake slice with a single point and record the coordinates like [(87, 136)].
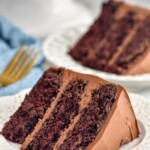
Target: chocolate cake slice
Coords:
[(85, 114), (118, 41)]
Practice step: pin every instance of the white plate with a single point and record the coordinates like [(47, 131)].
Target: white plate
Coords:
[(57, 45), (9, 104)]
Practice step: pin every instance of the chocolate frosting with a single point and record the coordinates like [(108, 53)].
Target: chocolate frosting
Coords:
[(141, 66)]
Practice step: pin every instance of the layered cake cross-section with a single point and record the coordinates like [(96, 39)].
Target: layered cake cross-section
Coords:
[(69, 110), (118, 41), (34, 106)]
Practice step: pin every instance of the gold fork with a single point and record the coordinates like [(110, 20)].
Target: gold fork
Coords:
[(20, 66)]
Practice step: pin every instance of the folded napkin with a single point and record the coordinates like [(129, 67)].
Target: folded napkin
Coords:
[(11, 39)]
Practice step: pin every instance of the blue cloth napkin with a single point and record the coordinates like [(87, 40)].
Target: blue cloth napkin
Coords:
[(11, 39)]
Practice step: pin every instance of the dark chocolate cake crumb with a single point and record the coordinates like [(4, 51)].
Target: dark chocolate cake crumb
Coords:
[(96, 33), (33, 107), (92, 120), (66, 109), (113, 39)]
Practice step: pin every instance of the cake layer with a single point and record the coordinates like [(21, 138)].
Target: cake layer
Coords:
[(92, 119), (96, 32), (66, 109), (136, 48), (34, 106), (114, 38)]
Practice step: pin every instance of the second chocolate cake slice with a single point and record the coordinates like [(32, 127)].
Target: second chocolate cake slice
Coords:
[(118, 41)]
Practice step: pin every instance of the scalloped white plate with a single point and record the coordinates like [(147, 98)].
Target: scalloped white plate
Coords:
[(57, 45), (9, 104)]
